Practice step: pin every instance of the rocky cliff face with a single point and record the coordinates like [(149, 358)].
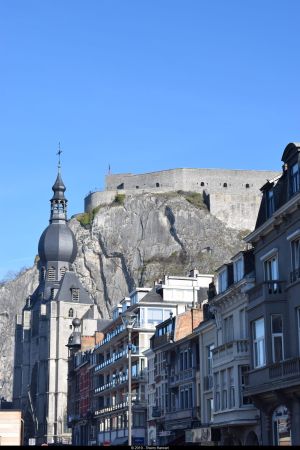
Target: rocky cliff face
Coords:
[(130, 243)]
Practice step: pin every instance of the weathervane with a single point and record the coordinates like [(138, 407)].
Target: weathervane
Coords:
[(59, 153)]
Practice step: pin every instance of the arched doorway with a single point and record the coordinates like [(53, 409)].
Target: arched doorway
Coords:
[(251, 439), (281, 426)]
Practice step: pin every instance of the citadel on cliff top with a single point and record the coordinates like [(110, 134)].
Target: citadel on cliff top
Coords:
[(233, 196)]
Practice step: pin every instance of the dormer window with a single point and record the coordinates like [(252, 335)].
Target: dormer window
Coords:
[(75, 294), (222, 281), (238, 269), (270, 203), (294, 179)]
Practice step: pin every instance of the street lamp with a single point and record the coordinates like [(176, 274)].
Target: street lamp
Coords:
[(128, 320)]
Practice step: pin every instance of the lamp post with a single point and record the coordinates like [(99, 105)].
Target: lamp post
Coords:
[(128, 321)]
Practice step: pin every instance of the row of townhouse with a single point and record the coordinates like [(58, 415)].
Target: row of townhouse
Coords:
[(218, 370), (104, 418)]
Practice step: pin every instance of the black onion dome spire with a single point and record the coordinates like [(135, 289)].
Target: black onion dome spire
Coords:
[(58, 188), (58, 243)]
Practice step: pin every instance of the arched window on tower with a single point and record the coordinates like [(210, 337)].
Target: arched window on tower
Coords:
[(71, 312), (51, 274), (62, 271)]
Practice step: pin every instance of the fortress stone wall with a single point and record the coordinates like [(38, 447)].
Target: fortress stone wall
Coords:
[(233, 196)]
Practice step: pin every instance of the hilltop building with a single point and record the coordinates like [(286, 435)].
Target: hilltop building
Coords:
[(43, 329), (233, 196)]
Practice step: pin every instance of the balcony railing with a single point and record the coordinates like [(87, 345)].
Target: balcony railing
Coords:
[(268, 290), (136, 351), (120, 380), (285, 368), (111, 360), (288, 369), (110, 336), (112, 408), (233, 349), (184, 375)]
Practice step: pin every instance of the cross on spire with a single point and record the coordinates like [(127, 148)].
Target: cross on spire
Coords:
[(59, 153)]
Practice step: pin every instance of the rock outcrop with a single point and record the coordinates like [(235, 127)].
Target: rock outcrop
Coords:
[(131, 242)]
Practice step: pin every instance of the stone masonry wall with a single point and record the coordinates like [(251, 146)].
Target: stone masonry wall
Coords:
[(233, 196)]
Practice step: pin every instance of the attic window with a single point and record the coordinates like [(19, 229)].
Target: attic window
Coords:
[(51, 274), (75, 294), (294, 179)]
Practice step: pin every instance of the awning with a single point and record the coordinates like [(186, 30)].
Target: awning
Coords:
[(120, 441)]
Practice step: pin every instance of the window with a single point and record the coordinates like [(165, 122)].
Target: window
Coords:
[(294, 179), (243, 324), (186, 397), (259, 343), (271, 268), (155, 315), (51, 274), (217, 391), (231, 388), (224, 389), (243, 376), (210, 408), (71, 312), (270, 202), (277, 337), (209, 350), (238, 269), (271, 274), (298, 322), (222, 281), (295, 250), (62, 271), (228, 329), (75, 295), (157, 184)]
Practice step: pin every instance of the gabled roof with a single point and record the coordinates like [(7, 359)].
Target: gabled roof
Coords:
[(70, 281)]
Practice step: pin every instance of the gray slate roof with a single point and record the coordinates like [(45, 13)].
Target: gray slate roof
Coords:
[(70, 281)]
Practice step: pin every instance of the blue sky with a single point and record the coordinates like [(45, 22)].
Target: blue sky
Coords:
[(141, 85)]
